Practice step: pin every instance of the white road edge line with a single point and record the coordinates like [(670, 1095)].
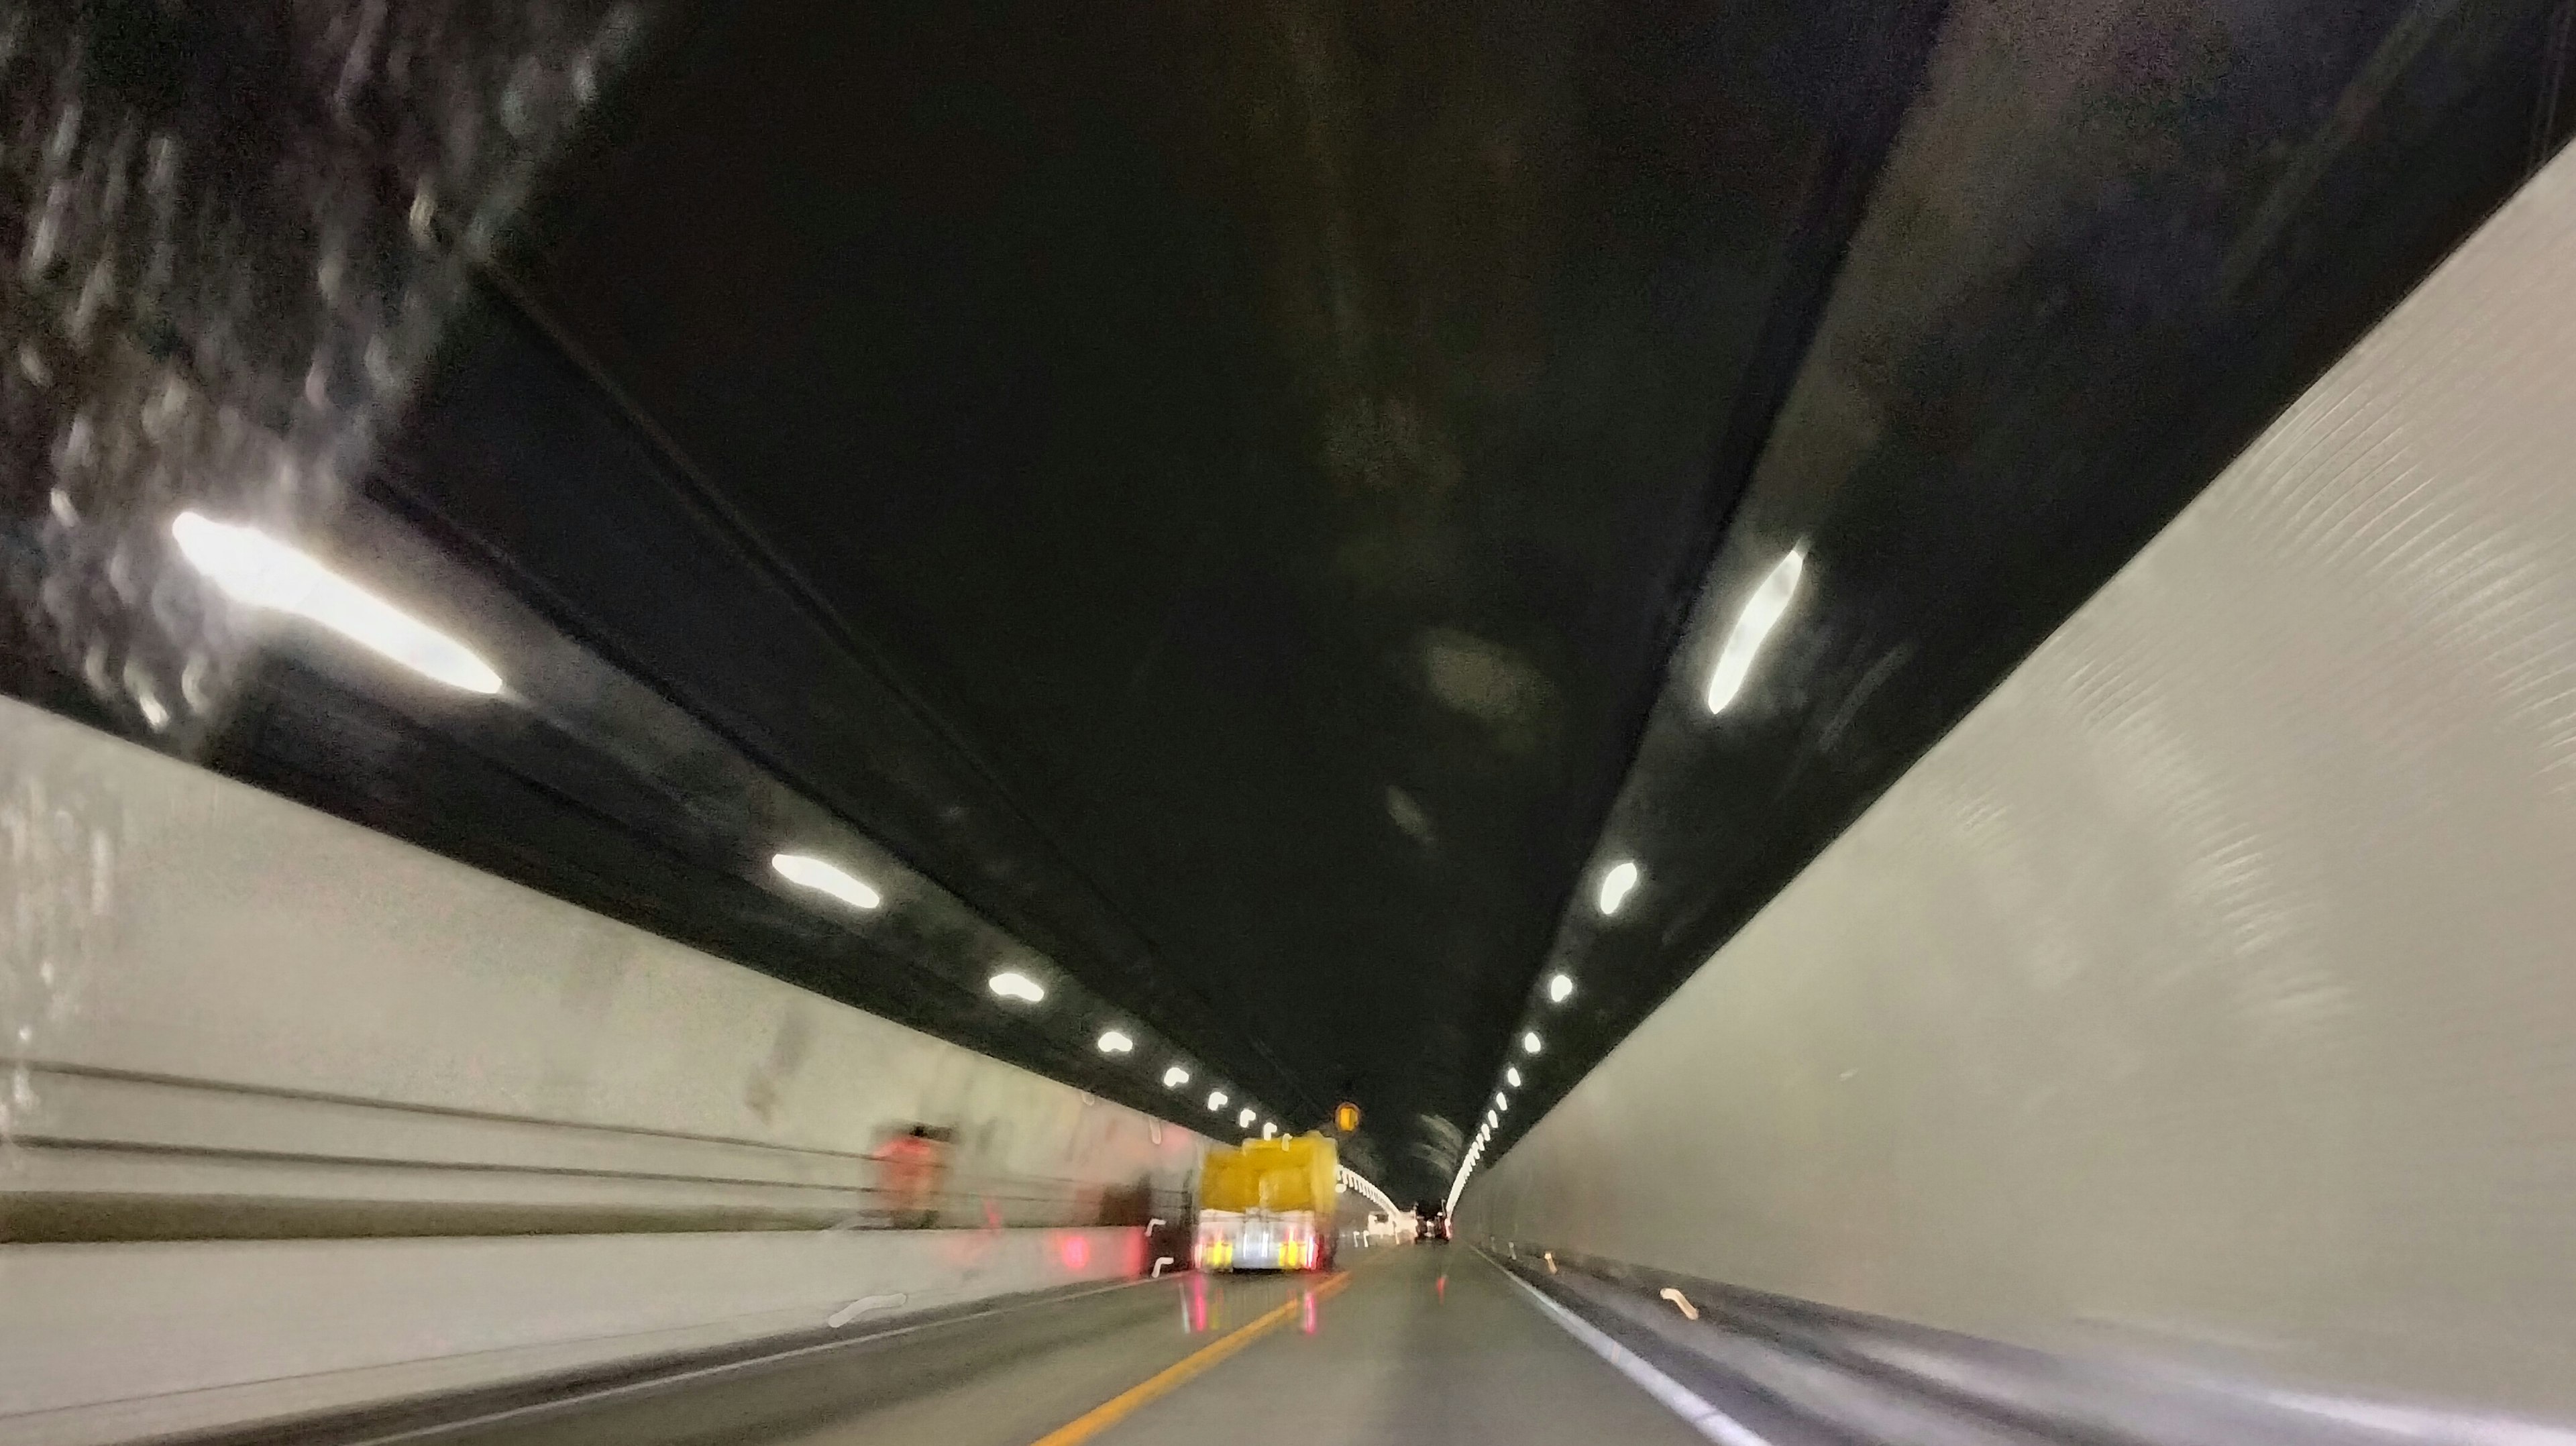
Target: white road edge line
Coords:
[(1704, 1418)]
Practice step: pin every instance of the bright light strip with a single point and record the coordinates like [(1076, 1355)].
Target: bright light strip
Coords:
[(1244, 1120), (1530, 1042), (825, 877), (1175, 1077), (1560, 988), (1116, 1042), (1501, 1100), (1474, 1155), (1012, 984), (1616, 885), (1353, 1180), (1216, 1099), (1762, 612), (255, 568), (1268, 1129), (1512, 1076)]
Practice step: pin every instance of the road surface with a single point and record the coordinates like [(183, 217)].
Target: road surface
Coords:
[(1412, 1345)]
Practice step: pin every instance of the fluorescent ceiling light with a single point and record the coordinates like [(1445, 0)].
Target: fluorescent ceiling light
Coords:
[(1115, 1042), (1762, 612), (1012, 984), (828, 878), (1615, 886), (1530, 1042), (1175, 1077), (1512, 1076), (255, 568), (1560, 988), (1216, 1099), (1244, 1120)]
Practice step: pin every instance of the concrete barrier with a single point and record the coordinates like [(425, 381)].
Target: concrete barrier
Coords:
[(115, 1342)]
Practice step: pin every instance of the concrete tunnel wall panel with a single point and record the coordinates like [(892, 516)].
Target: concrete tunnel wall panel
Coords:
[(435, 1088), (203, 930), (2205, 995)]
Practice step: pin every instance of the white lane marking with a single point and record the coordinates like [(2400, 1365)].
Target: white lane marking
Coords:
[(1704, 1418), (854, 1309)]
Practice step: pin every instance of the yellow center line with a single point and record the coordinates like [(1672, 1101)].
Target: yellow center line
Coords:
[(1117, 1408)]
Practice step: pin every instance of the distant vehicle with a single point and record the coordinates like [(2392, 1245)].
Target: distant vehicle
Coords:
[(1430, 1224), (1269, 1205)]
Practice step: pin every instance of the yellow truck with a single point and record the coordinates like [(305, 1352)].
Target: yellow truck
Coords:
[(1269, 1205)]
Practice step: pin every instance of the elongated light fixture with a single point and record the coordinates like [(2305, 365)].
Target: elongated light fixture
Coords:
[(1762, 613), (825, 877), (255, 568)]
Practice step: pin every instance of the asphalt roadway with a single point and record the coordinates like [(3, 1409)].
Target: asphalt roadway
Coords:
[(1410, 1344)]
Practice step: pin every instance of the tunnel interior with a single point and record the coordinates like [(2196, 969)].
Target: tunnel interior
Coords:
[(1298, 554)]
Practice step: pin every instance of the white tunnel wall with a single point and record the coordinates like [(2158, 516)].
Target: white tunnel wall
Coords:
[(173, 923), (224, 1007), (2209, 993)]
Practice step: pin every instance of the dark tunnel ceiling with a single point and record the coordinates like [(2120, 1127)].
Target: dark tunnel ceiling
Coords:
[(1274, 444), (1219, 487)]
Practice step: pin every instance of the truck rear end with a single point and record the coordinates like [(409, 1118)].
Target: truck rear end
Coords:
[(1268, 1205)]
